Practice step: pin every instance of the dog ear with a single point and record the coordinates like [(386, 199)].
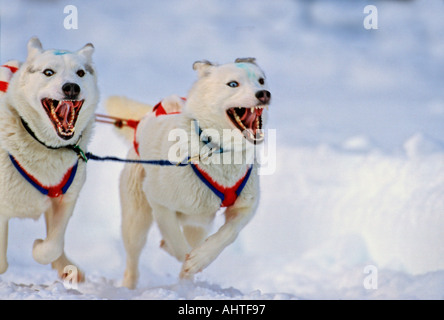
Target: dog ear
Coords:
[(87, 51), (34, 47), (202, 67), (249, 60)]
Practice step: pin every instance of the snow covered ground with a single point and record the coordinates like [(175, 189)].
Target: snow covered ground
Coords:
[(355, 206)]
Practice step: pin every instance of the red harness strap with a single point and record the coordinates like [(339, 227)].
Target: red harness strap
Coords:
[(134, 124), (158, 110), (50, 191), (12, 68), (4, 84), (227, 195)]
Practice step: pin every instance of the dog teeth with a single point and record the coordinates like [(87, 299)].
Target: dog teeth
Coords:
[(238, 120)]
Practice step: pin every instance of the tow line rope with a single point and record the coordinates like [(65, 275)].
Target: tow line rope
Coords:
[(91, 156), (120, 123)]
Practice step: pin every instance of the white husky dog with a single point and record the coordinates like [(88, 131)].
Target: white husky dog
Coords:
[(46, 118), (222, 118)]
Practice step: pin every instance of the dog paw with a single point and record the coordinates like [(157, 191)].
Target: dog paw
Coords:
[(72, 273), (130, 280), (195, 262), (45, 252), (67, 270)]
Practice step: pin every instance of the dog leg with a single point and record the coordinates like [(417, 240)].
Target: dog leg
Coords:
[(195, 235), (60, 265), (203, 255), (173, 237), (136, 220), (3, 244), (61, 262), (57, 217), (135, 226)]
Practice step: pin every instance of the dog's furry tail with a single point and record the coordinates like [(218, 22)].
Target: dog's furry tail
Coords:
[(128, 109)]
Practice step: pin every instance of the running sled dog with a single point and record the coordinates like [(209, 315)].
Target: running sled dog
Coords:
[(46, 117), (220, 121)]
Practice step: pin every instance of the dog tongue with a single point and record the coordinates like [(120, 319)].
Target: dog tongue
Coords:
[(249, 117), (63, 111)]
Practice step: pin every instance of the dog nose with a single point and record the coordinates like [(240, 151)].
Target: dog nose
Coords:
[(71, 90), (263, 96)]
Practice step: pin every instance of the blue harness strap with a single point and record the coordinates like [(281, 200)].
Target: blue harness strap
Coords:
[(244, 182), (53, 191), (71, 178), (207, 182)]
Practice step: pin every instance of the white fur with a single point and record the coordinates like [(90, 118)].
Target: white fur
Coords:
[(174, 197), (18, 198)]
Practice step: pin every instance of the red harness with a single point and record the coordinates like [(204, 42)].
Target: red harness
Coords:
[(158, 110), (228, 195), (4, 83), (50, 191)]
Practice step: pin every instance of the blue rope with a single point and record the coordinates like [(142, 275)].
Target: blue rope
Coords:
[(94, 157)]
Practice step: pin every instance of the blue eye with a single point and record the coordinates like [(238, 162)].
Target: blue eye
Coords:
[(48, 72), (233, 84)]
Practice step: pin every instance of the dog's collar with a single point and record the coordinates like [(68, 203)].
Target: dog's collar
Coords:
[(75, 147), (32, 134)]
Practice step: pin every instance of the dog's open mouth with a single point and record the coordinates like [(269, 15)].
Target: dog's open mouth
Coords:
[(63, 115), (249, 121)]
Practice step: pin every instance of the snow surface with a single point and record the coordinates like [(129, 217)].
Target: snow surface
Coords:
[(358, 183)]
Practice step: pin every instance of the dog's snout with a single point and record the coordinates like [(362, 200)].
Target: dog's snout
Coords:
[(71, 90), (263, 96)]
